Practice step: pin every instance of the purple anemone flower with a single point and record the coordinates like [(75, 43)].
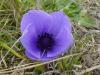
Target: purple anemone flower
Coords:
[(45, 36)]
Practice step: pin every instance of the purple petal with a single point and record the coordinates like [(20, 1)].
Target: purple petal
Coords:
[(28, 39), (44, 58), (63, 41), (30, 55), (38, 18), (60, 20)]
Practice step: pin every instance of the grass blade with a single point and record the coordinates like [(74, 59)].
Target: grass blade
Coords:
[(11, 50)]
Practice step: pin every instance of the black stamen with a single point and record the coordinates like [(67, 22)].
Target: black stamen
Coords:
[(45, 41)]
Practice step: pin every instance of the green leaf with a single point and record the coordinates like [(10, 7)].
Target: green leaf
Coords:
[(63, 3), (11, 50), (72, 10), (87, 21)]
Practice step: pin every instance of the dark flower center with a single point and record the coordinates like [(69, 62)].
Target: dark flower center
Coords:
[(45, 41)]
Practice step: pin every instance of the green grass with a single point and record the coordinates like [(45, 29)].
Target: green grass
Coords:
[(86, 32)]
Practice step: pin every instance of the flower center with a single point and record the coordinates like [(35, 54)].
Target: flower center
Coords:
[(45, 41)]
